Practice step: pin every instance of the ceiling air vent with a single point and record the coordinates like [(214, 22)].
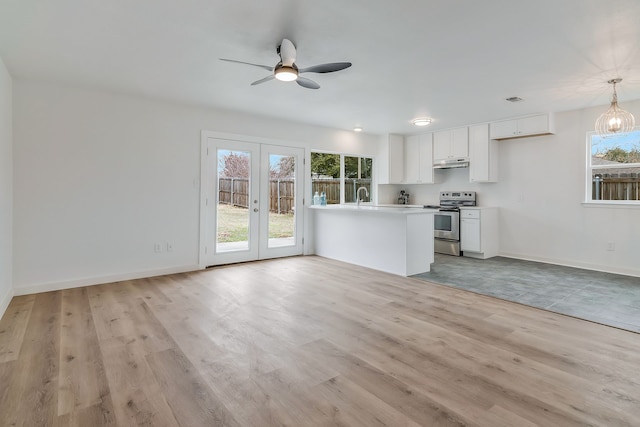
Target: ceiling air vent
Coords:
[(515, 99)]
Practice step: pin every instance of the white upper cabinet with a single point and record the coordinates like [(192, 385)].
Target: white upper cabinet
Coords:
[(441, 145), (449, 144), (541, 124), (460, 142), (412, 159), (391, 166), (418, 159), (483, 155)]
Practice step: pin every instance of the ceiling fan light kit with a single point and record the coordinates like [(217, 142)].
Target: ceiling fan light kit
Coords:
[(286, 74), (615, 119), (287, 71)]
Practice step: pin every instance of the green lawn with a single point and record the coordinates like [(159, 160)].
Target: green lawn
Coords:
[(233, 224)]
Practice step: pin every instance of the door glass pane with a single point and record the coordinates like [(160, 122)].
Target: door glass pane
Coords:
[(325, 176), (282, 186), (357, 174), (232, 227)]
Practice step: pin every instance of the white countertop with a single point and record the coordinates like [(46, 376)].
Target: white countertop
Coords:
[(476, 207), (393, 209)]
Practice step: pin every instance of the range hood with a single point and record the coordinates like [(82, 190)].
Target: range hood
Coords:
[(460, 162)]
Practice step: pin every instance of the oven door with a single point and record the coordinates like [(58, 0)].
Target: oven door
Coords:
[(447, 225)]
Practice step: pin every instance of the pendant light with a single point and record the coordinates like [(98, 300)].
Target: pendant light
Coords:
[(615, 119)]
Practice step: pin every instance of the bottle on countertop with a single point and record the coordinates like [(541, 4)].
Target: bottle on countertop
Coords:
[(323, 199), (316, 199)]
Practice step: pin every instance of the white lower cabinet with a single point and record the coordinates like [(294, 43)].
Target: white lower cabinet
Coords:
[(479, 232), (470, 233)]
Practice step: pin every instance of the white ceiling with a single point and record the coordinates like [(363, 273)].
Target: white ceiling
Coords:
[(455, 61)]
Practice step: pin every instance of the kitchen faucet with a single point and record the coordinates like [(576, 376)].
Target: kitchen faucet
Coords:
[(366, 192)]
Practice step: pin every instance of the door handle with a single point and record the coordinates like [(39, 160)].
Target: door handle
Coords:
[(255, 209)]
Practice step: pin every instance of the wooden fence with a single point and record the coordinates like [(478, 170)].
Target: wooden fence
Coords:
[(331, 187), (235, 192), (281, 195), (615, 187)]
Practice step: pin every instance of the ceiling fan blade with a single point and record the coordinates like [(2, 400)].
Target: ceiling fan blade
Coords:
[(266, 79), (287, 53), (326, 68), (308, 83), (266, 67)]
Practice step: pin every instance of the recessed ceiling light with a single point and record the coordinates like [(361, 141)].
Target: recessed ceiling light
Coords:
[(514, 99), (357, 129), (421, 121)]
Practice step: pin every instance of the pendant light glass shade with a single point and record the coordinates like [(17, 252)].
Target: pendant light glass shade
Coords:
[(615, 119)]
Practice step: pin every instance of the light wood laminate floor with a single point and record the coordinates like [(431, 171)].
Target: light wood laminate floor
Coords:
[(306, 341)]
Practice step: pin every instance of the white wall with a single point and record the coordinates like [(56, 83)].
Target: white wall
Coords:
[(6, 188), (540, 193), (99, 177)]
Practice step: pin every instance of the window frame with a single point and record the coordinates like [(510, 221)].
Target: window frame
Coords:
[(342, 177), (590, 168)]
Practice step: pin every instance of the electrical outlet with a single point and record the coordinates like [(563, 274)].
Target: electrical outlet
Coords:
[(157, 247), (611, 246), (169, 247)]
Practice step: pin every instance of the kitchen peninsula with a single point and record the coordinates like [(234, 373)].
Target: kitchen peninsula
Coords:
[(396, 240)]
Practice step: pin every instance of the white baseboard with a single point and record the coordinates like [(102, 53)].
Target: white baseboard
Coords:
[(4, 302), (90, 281), (568, 263)]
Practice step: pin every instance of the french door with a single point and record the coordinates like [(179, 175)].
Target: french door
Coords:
[(252, 201)]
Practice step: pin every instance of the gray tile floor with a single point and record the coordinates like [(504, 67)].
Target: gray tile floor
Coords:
[(610, 299)]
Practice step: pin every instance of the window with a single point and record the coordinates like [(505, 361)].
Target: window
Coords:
[(357, 173), (339, 176), (613, 168)]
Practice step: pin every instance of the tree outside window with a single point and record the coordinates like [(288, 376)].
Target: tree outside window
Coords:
[(613, 168), (329, 177)]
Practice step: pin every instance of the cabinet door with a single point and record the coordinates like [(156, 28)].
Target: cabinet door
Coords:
[(470, 235), (441, 145), (412, 159), (426, 159), (533, 125), (459, 142), (479, 153), (504, 129), (396, 159)]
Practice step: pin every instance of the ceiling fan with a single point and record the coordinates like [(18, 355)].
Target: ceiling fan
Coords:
[(286, 70)]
